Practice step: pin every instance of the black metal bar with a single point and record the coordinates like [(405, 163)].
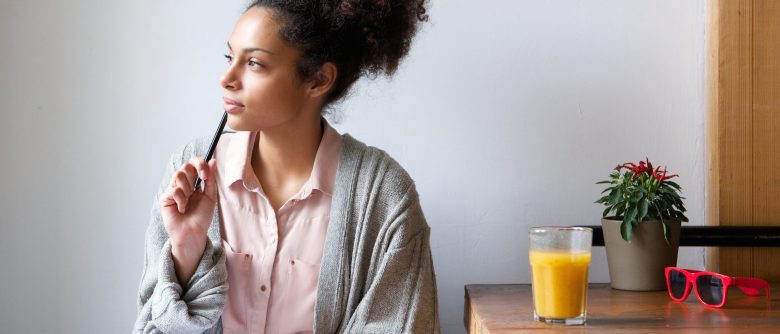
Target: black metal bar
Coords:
[(716, 236)]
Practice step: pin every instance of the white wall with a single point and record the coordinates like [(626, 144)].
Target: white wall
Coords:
[(505, 113)]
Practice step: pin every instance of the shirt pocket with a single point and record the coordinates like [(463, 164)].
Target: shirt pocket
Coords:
[(234, 317), (302, 292)]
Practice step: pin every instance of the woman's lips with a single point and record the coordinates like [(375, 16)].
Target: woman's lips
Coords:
[(231, 105)]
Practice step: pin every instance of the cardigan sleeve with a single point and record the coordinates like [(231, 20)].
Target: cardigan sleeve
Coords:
[(164, 306), (401, 295)]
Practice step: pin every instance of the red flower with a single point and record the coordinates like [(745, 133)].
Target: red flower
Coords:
[(646, 167)]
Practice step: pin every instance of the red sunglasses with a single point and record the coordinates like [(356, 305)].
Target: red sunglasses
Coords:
[(711, 288)]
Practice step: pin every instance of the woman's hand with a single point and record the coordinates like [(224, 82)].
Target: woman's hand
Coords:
[(187, 214)]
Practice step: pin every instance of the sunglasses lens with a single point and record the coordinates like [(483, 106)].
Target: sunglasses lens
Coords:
[(677, 282), (710, 289)]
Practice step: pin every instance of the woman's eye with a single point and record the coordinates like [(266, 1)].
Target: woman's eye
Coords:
[(229, 58), (254, 63)]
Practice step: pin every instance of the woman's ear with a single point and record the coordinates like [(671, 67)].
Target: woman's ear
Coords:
[(323, 80)]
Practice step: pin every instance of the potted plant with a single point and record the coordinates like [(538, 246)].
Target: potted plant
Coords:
[(641, 225)]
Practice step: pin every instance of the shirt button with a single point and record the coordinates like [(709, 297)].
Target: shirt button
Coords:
[(262, 288), (292, 262)]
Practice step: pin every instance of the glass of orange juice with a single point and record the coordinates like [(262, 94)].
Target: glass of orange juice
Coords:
[(559, 258)]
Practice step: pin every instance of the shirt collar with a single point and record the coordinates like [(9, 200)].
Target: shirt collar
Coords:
[(238, 163), (326, 162)]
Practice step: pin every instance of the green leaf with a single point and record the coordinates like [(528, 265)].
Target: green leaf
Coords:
[(606, 211), (673, 199), (603, 182), (621, 208), (603, 199), (615, 196), (631, 214), (626, 231), (660, 213), (637, 197), (673, 184), (667, 233), (643, 205), (663, 203)]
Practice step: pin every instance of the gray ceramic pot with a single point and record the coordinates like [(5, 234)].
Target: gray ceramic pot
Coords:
[(639, 265)]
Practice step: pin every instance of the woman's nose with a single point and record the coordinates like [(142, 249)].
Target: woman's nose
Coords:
[(229, 80)]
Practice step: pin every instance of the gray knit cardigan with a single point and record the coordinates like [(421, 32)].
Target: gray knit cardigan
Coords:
[(376, 274)]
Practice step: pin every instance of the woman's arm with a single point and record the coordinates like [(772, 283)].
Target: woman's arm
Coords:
[(402, 294), (164, 305)]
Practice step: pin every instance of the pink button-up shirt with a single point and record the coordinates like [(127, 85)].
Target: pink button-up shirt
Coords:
[(273, 258)]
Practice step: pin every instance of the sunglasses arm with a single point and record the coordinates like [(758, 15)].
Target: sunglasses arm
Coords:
[(752, 286)]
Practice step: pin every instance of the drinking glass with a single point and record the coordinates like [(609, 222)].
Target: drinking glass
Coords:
[(559, 258)]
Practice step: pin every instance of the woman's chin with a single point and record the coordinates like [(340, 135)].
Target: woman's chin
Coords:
[(235, 123)]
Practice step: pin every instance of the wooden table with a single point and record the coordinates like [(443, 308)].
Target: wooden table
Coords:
[(507, 308)]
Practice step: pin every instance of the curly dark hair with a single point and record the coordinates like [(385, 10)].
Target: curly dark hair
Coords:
[(361, 37)]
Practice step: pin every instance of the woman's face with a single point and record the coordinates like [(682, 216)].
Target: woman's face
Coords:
[(262, 76)]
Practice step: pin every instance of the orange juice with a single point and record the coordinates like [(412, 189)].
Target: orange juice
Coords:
[(560, 283)]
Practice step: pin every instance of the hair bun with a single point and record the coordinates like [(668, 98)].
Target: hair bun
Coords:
[(383, 29), (362, 37)]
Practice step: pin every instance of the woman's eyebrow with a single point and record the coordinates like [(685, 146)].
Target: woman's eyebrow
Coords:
[(248, 50)]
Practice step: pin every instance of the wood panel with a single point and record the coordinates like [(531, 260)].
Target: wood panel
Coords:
[(735, 128), (766, 129), (712, 198), (745, 119)]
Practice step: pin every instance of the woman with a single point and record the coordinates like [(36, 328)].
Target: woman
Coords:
[(297, 228)]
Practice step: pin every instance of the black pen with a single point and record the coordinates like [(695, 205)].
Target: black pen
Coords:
[(213, 146)]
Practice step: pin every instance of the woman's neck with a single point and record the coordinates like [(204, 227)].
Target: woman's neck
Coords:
[(283, 157)]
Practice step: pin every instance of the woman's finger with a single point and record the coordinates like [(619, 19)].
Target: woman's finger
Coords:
[(174, 197), (166, 198), (202, 167), (211, 180), (181, 199), (191, 171), (183, 182)]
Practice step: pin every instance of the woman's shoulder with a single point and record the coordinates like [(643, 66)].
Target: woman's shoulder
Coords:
[(385, 186), (198, 147), (374, 167)]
